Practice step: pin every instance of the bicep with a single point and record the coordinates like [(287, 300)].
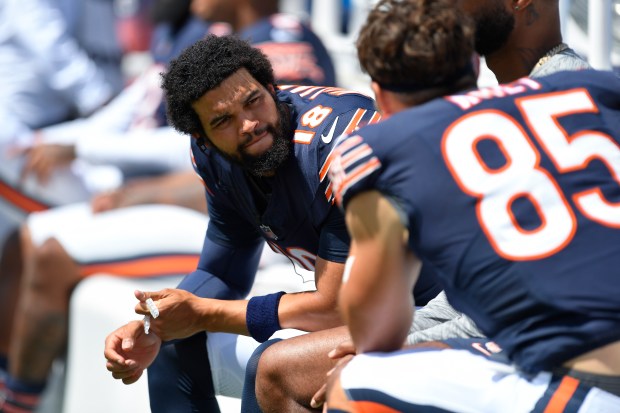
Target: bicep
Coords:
[(376, 297), (377, 237)]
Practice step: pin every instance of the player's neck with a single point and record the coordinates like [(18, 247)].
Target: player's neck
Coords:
[(512, 63)]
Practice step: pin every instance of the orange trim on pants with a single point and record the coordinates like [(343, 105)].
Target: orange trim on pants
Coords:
[(371, 407), (20, 200), (145, 267), (562, 395)]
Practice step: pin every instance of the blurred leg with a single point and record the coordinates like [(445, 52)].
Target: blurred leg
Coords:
[(10, 275), (40, 324)]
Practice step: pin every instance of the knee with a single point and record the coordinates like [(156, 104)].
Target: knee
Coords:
[(48, 266), (270, 383)]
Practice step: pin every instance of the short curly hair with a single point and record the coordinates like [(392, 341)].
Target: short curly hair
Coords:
[(408, 45), (203, 67)]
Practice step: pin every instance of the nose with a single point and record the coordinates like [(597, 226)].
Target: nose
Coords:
[(248, 126)]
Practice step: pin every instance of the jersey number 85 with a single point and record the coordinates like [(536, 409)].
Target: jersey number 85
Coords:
[(522, 176)]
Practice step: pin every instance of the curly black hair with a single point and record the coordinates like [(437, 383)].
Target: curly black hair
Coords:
[(413, 44), (203, 67)]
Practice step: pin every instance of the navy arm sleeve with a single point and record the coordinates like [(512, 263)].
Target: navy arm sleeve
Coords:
[(229, 258), (334, 238), (224, 272)]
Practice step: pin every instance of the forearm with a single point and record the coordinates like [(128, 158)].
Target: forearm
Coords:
[(378, 319), (224, 316), (308, 311), (318, 309)]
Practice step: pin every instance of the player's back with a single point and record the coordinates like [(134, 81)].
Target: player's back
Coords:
[(514, 200)]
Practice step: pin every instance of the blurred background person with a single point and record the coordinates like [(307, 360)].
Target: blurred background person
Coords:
[(58, 59)]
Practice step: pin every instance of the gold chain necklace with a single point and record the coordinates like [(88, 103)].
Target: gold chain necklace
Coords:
[(557, 49)]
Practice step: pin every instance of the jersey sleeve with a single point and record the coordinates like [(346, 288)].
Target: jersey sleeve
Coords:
[(342, 124), (354, 168), (334, 239)]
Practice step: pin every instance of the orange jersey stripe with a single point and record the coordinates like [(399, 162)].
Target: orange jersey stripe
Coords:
[(145, 267), (371, 407), (357, 117), (20, 200), (375, 118), (329, 192), (326, 165), (562, 395), (357, 174), (355, 155)]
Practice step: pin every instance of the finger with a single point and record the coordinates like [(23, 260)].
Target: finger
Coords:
[(144, 295), (342, 349), (27, 169), (123, 375), (116, 368), (134, 378), (110, 352), (140, 295), (43, 172), (127, 344), (142, 309), (15, 151), (319, 397)]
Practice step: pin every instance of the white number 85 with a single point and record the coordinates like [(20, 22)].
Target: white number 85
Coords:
[(522, 176)]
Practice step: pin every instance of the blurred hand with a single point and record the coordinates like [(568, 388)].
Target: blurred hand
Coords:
[(109, 200), (42, 159), (129, 351), (136, 192), (342, 353)]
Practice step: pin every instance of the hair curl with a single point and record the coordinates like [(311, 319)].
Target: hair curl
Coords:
[(408, 43), (203, 67)]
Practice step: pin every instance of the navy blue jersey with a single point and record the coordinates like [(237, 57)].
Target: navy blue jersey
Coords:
[(512, 195), (300, 209), (167, 43), (299, 219), (296, 53)]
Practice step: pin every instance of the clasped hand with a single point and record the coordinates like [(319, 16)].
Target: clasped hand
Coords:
[(180, 313)]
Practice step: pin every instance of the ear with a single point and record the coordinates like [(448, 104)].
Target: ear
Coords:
[(386, 101), (382, 100), (519, 5)]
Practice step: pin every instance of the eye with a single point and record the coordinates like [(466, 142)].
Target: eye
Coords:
[(254, 99), (220, 122)]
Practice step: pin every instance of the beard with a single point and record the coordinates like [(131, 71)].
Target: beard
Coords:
[(493, 27), (272, 158)]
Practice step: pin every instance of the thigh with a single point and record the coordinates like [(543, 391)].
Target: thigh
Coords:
[(229, 355), (108, 239), (448, 380)]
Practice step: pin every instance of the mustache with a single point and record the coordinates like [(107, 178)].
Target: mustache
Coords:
[(247, 137)]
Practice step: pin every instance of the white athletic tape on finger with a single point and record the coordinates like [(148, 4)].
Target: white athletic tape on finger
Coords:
[(152, 307), (147, 324)]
